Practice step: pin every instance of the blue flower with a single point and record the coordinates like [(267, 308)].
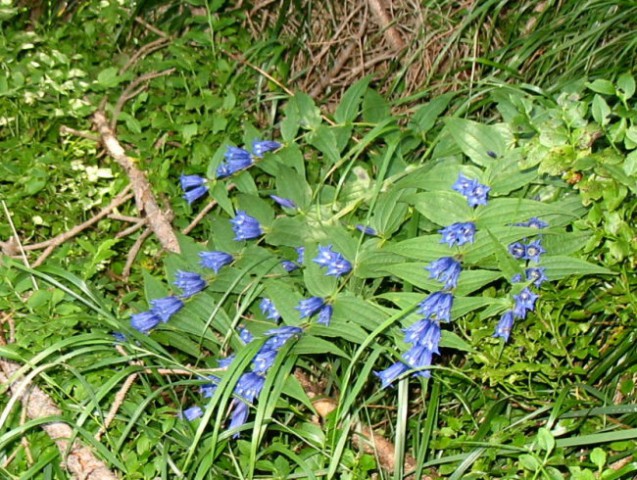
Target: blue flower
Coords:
[(418, 357), (215, 260), (524, 302), (236, 159), (263, 361), (245, 335), (533, 222), (475, 192), (503, 329), (249, 386), (301, 255), (144, 321), (336, 264), (517, 250), (463, 185), (269, 310), (390, 374), (245, 227), (208, 390), (119, 336), (533, 251), (189, 282), (260, 147), (458, 233), (223, 170), (191, 181), (239, 415), (278, 336), (192, 413), (446, 270), (289, 266), (325, 315), (166, 307), (366, 230), (284, 202), (536, 275), (191, 195), (225, 362), (517, 278), (425, 333), (437, 306), (309, 306)]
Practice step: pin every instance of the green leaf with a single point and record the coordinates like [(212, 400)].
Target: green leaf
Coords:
[(309, 116), (626, 83), (347, 110), (545, 440), (602, 86), (449, 339), (558, 267), (529, 462), (108, 77), (189, 131), (630, 165), (288, 231), (353, 309), (324, 140), (442, 207), (375, 107), (476, 140), (291, 184), (501, 211), (291, 122), (600, 110), (425, 247), (389, 212), (425, 116), (598, 456)]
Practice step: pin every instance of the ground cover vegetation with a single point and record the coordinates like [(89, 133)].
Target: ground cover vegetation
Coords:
[(317, 240)]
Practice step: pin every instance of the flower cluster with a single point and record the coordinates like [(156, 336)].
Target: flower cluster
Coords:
[(309, 307), (194, 187), (424, 335), (474, 191), (524, 301), (237, 159), (250, 383), (336, 263), (245, 227), (163, 308)]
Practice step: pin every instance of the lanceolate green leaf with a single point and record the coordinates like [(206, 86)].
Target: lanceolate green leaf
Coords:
[(558, 267), (476, 140)]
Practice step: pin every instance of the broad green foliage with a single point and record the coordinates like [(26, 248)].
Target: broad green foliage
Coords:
[(370, 193)]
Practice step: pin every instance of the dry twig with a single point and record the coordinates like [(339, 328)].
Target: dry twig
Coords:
[(158, 221), (386, 23)]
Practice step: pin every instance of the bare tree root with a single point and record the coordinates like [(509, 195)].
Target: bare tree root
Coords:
[(158, 221), (77, 458)]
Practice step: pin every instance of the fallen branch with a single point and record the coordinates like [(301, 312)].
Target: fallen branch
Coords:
[(55, 242), (157, 220), (386, 23), (76, 458)]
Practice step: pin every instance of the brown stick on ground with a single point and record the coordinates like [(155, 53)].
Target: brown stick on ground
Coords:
[(77, 459), (157, 220), (385, 22)]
